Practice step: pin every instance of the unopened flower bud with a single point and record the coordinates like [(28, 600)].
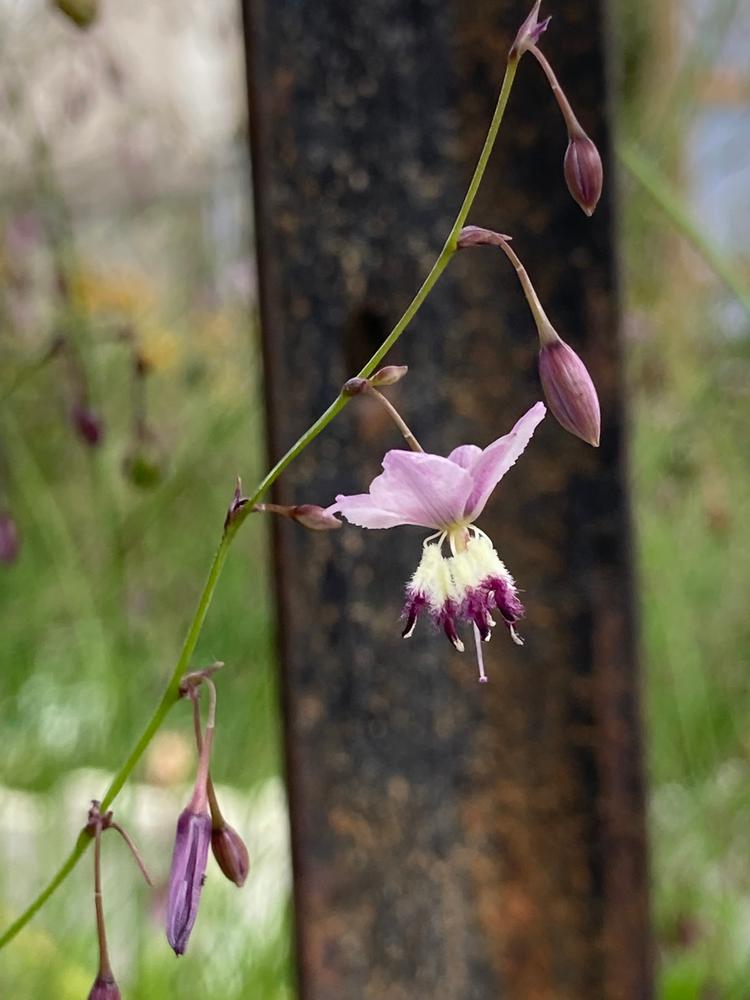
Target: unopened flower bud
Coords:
[(87, 424), (529, 33), (354, 386), (315, 518), (104, 988), (187, 875), (388, 375), (477, 236), (230, 853), (570, 393), (9, 541), (81, 12), (583, 170)]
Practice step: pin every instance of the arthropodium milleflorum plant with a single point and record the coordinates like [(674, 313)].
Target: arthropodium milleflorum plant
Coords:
[(468, 583)]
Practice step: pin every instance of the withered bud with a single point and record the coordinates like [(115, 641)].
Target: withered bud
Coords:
[(476, 236), (238, 502), (187, 875), (388, 375), (104, 988), (309, 515), (87, 424), (81, 12), (10, 542), (583, 170), (570, 392), (315, 518), (354, 386), (230, 853), (529, 33)]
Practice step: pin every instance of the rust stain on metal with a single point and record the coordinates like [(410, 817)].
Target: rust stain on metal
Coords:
[(451, 841)]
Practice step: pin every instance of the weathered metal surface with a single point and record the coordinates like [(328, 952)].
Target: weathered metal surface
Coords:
[(451, 840)]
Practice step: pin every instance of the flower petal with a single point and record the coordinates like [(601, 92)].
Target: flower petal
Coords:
[(427, 489), (361, 509), (414, 488), (490, 467), (465, 455)]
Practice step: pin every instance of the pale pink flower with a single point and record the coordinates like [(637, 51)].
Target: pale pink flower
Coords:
[(448, 495)]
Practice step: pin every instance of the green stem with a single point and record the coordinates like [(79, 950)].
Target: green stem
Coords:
[(171, 693), (657, 187)]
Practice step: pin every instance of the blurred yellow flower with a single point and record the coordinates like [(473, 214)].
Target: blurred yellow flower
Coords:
[(128, 296)]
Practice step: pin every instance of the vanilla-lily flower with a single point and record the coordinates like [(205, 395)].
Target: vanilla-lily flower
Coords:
[(460, 576)]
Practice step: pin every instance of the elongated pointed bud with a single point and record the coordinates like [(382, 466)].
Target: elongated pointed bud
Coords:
[(388, 375), (230, 853), (104, 988), (314, 518), (186, 876), (570, 393), (583, 171)]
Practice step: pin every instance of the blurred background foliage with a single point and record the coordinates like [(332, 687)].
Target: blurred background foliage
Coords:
[(130, 397), (683, 117)]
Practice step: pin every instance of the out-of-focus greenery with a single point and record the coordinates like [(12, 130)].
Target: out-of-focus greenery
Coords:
[(688, 353), (125, 285)]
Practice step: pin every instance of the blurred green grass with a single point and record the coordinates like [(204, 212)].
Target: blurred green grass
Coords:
[(92, 616)]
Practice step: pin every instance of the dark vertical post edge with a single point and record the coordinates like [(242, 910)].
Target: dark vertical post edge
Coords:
[(450, 840)]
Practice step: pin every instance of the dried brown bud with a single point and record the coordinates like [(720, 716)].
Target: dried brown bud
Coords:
[(476, 236), (570, 393), (104, 988), (354, 386), (315, 518), (81, 12), (583, 171), (230, 853), (388, 375)]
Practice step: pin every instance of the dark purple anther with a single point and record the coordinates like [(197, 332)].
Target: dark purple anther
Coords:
[(186, 876)]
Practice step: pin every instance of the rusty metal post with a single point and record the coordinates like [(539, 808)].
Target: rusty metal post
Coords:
[(451, 840)]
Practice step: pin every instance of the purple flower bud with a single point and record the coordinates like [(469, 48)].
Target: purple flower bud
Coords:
[(186, 876), (388, 375), (81, 12), (529, 33), (10, 543), (569, 390), (354, 386), (104, 988), (87, 424), (315, 518), (230, 853), (583, 171)]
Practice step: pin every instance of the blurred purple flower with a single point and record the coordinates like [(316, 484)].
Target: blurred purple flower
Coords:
[(10, 542)]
